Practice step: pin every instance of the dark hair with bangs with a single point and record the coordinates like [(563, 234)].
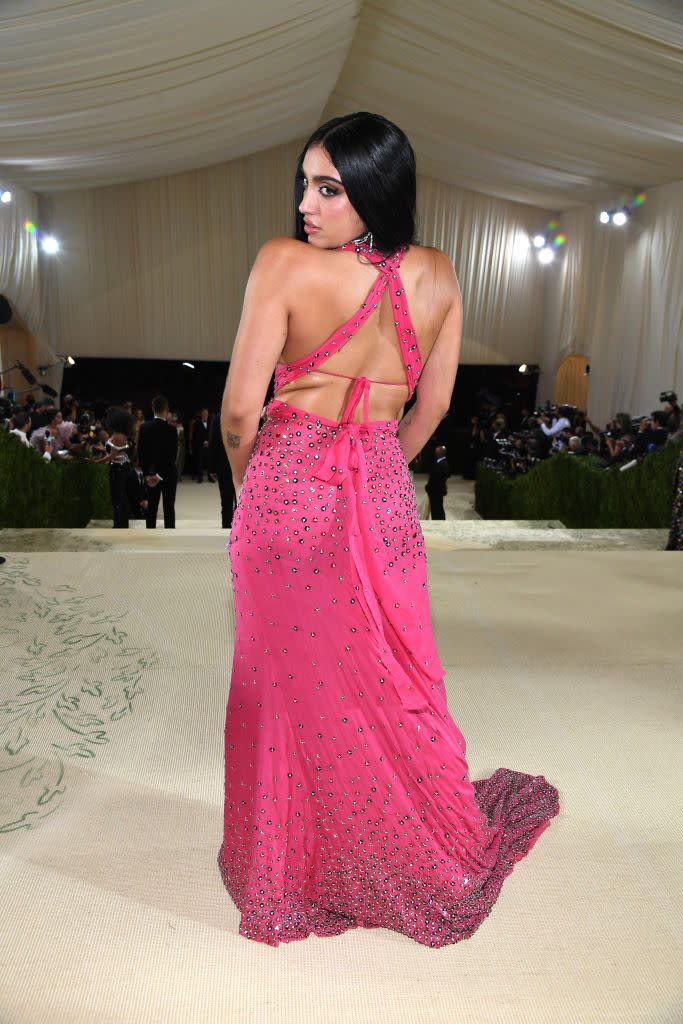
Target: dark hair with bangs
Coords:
[(376, 164)]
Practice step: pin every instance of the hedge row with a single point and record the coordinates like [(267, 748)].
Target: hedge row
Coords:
[(581, 493), (61, 493)]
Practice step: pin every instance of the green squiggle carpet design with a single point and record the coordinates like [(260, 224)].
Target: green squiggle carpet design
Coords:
[(75, 676)]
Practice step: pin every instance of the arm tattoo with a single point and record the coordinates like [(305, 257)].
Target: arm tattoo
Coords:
[(232, 440)]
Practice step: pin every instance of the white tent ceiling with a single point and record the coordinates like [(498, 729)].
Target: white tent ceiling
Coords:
[(550, 102)]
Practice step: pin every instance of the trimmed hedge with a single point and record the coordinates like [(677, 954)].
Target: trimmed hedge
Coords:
[(61, 493), (581, 493)]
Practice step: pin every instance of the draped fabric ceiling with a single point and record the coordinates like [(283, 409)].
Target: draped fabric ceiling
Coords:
[(157, 139), (549, 102)]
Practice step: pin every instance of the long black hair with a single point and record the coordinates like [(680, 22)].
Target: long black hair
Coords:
[(376, 164)]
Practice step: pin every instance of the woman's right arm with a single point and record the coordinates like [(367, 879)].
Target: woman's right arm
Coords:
[(435, 387), (260, 339)]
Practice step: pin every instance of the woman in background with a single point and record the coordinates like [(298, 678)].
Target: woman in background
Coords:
[(119, 454)]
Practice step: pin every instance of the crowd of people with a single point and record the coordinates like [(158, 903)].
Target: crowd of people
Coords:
[(509, 444), (133, 447), (512, 449)]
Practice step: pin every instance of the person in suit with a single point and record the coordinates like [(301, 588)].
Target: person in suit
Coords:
[(219, 469), (200, 444), (157, 453), (436, 483)]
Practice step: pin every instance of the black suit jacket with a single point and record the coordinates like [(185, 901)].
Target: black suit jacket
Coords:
[(218, 457), (158, 448), (436, 482), (200, 434)]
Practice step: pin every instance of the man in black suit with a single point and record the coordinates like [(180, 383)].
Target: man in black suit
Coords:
[(200, 444), (157, 453), (436, 483), (219, 469)]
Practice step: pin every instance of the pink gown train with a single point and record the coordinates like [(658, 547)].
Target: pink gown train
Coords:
[(347, 795)]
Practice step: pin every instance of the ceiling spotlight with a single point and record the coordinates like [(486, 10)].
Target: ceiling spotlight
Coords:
[(190, 365), (521, 245), (546, 255), (604, 217), (50, 244), (5, 196), (539, 241), (619, 218)]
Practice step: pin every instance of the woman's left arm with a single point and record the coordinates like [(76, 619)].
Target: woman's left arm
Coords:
[(260, 339)]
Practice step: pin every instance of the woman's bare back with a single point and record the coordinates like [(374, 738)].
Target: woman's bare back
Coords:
[(327, 288)]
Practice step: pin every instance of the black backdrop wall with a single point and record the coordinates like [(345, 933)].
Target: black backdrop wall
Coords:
[(105, 382), (100, 383)]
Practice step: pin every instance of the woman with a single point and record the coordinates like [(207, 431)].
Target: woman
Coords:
[(347, 796), (119, 453), (177, 422)]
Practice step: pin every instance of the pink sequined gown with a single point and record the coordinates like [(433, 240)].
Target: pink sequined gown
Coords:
[(347, 795)]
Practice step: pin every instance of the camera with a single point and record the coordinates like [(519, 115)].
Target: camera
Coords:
[(669, 396), (8, 407)]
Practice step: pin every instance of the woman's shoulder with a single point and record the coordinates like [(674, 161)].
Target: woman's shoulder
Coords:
[(433, 267), (432, 258), (280, 260), (282, 252)]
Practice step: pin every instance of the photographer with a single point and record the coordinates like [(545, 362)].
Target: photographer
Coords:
[(87, 437), (620, 450), (46, 439), (21, 427), (660, 433), (98, 447), (652, 433), (672, 411), (560, 421)]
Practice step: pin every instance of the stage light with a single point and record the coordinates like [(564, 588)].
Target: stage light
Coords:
[(50, 244), (523, 368), (69, 360), (521, 244), (620, 213), (5, 196), (549, 242), (190, 365)]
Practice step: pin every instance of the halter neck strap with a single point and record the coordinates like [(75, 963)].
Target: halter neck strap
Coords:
[(385, 264)]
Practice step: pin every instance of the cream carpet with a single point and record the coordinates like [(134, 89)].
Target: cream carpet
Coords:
[(114, 682)]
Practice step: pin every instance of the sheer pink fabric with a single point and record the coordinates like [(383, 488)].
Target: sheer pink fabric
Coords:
[(347, 795)]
